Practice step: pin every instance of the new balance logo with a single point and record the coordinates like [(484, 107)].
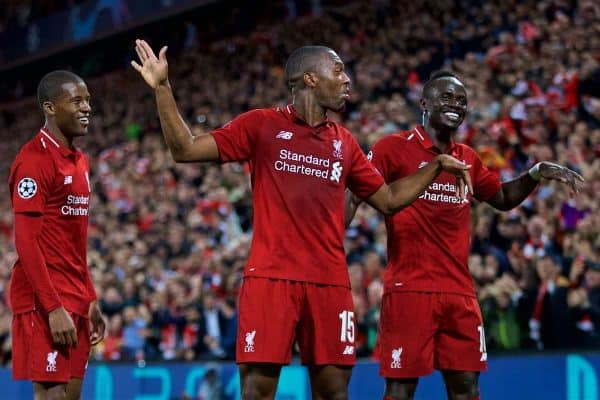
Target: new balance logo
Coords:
[(51, 367), (285, 135), (68, 180), (336, 172), (348, 351)]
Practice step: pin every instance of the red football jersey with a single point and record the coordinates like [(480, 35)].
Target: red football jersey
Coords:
[(428, 242), (49, 179), (298, 175)]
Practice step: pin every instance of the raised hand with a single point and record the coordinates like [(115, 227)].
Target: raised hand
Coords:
[(153, 70), (461, 171), (548, 170)]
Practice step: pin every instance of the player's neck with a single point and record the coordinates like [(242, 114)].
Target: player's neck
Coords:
[(309, 110), (55, 130), (441, 138)]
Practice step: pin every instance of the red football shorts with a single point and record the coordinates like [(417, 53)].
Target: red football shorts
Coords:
[(37, 359), (420, 332), (274, 313)]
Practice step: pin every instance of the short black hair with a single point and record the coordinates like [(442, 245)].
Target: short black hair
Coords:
[(438, 75), (50, 86), (302, 59)]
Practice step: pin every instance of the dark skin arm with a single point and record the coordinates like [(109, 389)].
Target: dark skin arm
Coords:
[(399, 194), (512, 193), (352, 203), (183, 145)]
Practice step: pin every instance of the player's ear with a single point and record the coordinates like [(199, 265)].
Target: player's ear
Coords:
[(310, 79), (48, 107), (423, 104)]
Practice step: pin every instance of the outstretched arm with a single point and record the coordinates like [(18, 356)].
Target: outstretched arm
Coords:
[(402, 192), (513, 192), (183, 145)]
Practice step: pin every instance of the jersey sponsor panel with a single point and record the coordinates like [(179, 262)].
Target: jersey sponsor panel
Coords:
[(438, 223), (292, 163)]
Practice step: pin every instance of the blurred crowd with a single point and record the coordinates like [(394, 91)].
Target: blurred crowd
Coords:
[(168, 242), (17, 14)]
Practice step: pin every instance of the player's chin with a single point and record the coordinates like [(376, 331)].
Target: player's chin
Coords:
[(80, 132), (339, 106), (452, 124)]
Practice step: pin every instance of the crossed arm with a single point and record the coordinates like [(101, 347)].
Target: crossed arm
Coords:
[(399, 194), (511, 193)]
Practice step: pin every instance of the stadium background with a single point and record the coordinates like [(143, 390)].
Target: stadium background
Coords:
[(168, 242)]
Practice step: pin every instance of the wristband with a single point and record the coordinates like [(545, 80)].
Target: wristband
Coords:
[(534, 172)]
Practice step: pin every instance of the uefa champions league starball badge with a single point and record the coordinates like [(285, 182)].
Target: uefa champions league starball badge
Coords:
[(27, 188)]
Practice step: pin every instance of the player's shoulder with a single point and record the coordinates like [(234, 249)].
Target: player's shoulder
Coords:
[(254, 114), (394, 139), (33, 156), (248, 120), (35, 149)]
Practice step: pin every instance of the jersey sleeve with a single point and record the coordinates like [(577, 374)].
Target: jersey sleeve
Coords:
[(364, 179), (30, 182), (377, 156), (235, 140), (486, 183)]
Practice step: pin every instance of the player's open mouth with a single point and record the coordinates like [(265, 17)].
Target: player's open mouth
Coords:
[(84, 121), (452, 116)]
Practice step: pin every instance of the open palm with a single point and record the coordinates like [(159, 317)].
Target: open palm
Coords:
[(154, 70), (562, 174)]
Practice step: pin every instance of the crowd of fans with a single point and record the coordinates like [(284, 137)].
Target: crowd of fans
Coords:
[(168, 242)]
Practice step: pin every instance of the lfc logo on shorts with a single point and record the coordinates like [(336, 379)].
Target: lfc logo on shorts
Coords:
[(249, 348), (51, 367), (396, 358)]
